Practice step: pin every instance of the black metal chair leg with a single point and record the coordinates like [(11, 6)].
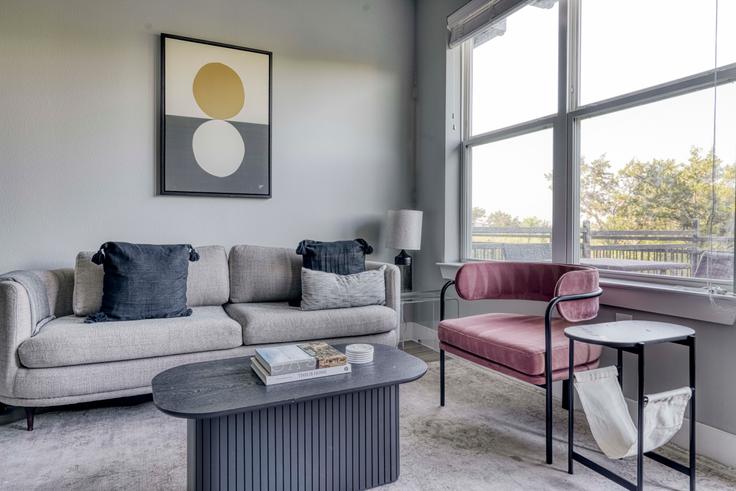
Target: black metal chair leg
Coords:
[(548, 421), (442, 377), (570, 397), (691, 352), (30, 413), (640, 421)]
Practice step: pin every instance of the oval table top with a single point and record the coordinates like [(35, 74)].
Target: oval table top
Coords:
[(216, 388), (628, 333)]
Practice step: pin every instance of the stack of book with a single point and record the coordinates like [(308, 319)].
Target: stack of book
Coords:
[(280, 364)]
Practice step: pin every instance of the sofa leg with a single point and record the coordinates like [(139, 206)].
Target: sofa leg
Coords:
[(442, 377), (30, 413)]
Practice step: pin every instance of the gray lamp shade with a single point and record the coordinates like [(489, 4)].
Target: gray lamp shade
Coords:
[(404, 229)]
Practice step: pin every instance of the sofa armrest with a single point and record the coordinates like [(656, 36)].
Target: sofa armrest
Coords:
[(15, 327), (392, 276)]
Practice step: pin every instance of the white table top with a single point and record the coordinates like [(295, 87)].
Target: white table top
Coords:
[(628, 333)]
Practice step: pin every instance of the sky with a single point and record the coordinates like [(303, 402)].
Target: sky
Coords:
[(626, 45)]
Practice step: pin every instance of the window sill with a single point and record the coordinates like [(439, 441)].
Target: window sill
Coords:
[(672, 300)]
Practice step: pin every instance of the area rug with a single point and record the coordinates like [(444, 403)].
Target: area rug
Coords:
[(489, 436)]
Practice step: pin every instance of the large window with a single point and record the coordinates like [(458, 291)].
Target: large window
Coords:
[(604, 132), (498, 215)]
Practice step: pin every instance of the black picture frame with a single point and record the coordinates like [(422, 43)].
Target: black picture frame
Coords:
[(162, 120)]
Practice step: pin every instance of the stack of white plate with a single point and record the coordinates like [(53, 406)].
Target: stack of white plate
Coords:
[(359, 353)]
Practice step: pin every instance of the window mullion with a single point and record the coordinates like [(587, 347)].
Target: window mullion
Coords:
[(561, 175), (573, 131)]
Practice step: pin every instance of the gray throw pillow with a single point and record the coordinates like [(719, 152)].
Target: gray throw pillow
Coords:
[(322, 290)]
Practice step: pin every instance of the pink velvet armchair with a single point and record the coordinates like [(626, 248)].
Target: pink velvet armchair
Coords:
[(527, 347)]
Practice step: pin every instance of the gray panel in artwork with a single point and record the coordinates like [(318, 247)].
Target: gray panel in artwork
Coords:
[(183, 174)]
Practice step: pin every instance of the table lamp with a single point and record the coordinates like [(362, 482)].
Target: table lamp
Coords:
[(404, 232)]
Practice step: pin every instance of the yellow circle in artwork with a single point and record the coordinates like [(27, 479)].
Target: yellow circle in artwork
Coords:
[(218, 90)]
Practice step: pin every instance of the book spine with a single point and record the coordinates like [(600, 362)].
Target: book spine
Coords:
[(308, 374), (263, 362)]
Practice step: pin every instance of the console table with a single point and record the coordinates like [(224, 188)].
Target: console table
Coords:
[(632, 337), (338, 432)]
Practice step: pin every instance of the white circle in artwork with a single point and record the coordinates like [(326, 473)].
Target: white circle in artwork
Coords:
[(218, 147)]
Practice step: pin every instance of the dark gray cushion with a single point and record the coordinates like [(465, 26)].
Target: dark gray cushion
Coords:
[(340, 257), (322, 290), (143, 281), (277, 322)]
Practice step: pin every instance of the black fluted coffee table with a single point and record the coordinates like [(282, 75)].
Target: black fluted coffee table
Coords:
[(339, 432)]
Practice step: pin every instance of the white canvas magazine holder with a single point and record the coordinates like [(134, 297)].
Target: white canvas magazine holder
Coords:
[(609, 418)]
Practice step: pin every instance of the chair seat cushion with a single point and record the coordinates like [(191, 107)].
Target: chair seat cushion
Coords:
[(69, 341), (277, 322), (515, 341)]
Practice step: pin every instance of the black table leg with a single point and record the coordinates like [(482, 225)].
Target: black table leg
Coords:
[(442, 377), (691, 344), (640, 421), (570, 407), (620, 367)]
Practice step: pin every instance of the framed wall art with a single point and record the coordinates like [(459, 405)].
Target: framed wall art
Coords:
[(215, 137)]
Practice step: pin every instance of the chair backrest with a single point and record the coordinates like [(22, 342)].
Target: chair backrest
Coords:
[(530, 281)]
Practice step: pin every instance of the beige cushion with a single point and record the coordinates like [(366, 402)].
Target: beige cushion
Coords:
[(276, 322), (69, 341), (208, 282), (88, 277), (264, 274)]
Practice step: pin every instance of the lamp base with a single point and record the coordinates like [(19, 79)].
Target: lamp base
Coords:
[(404, 262)]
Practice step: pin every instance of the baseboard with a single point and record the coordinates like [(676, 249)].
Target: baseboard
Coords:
[(413, 331)]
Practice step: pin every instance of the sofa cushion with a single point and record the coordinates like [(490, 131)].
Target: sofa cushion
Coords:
[(88, 278), (276, 322), (339, 257), (208, 282), (143, 281), (69, 341), (81, 383), (264, 274), (514, 340), (322, 290)]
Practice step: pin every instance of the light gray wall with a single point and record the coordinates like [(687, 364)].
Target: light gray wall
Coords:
[(437, 191), (78, 122), (437, 157)]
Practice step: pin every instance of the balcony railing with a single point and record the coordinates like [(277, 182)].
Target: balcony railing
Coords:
[(669, 252)]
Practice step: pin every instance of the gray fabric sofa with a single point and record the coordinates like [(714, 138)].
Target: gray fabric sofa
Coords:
[(239, 303)]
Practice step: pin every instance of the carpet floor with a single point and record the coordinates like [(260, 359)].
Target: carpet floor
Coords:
[(489, 436)]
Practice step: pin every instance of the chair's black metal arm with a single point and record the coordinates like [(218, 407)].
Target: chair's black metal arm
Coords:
[(569, 298), (548, 324), (443, 293)]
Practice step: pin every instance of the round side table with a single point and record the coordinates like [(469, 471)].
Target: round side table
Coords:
[(632, 337)]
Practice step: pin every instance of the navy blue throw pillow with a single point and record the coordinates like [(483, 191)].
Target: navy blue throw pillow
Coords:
[(143, 281), (339, 257)]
